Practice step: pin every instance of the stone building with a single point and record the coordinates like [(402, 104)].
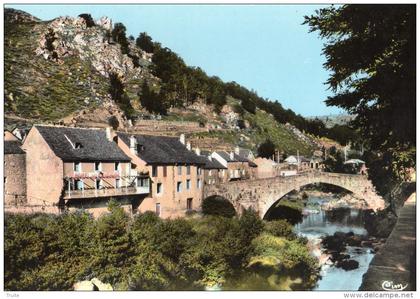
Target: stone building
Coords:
[(14, 171), (266, 168), (239, 168), (317, 163), (298, 163), (214, 171), (73, 168), (244, 153), (176, 173)]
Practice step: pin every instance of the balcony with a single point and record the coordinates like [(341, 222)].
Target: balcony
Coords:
[(105, 192)]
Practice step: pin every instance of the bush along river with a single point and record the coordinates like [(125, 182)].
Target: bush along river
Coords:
[(335, 229)]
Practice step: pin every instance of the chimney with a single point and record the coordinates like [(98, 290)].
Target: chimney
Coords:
[(231, 156), (237, 150), (108, 133), (188, 146), (133, 144), (182, 138), (197, 151)]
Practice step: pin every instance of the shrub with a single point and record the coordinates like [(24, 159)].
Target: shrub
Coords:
[(280, 228), (88, 19), (218, 206)]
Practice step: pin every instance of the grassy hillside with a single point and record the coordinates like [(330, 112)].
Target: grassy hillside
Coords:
[(42, 89), (262, 127)]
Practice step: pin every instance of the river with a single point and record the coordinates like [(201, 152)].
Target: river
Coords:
[(317, 223)]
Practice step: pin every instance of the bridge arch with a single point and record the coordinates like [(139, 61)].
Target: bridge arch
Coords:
[(261, 194), (273, 206)]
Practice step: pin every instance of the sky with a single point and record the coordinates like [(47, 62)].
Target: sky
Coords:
[(262, 47)]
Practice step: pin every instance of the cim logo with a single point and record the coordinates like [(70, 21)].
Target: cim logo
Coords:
[(390, 286)]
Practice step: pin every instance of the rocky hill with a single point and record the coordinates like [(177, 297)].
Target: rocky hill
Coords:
[(334, 119), (61, 71)]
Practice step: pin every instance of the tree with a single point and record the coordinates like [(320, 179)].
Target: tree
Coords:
[(113, 251), (118, 35), (334, 161), (145, 42), (370, 51), (266, 149), (151, 100), (216, 205), (88, 19), (117, 92)]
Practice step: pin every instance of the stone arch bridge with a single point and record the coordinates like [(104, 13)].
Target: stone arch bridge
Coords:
[(261, 194)]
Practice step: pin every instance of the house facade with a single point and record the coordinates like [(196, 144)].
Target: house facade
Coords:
[(14, 171), (238, 168), (214, 171), (76, 168), (176, 173)]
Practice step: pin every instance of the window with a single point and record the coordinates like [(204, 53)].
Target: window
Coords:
[(198, 184), (188, 169), (198, 171), (142, 182), (179, 170), (98, 166), (98, 184), (178, 187), (164, 171), (159, 188), (154, 171), (158, 209), (188, 184), (79, 185), (209, 172), (117, 183), (117, 166), (77, 167), (189, 204), (78, 145)]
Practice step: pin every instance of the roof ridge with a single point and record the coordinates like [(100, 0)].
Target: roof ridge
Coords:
[(67, 127)]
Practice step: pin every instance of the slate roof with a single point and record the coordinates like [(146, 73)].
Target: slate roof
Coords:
[(162, 150), (94, 144), (13, 147), (236, 158), (225, 156), (244, 152), (213, 164)]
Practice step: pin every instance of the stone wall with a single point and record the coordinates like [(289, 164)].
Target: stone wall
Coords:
[(44, 171), (261, 194), (166, 127), (14, 179)]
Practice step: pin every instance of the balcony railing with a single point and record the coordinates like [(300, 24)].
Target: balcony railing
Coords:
[(105, 192)]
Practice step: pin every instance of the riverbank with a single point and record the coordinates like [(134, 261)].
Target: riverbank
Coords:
[(394, 266)]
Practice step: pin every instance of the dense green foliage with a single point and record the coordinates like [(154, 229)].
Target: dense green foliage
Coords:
[(218, 206), (151, 100), (266, 149), (118, 34), (144, 42), (370, 51), (46, 252), (119, 95), (88, 19)]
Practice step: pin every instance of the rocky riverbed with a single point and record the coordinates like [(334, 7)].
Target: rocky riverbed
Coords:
[(335, 228)]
